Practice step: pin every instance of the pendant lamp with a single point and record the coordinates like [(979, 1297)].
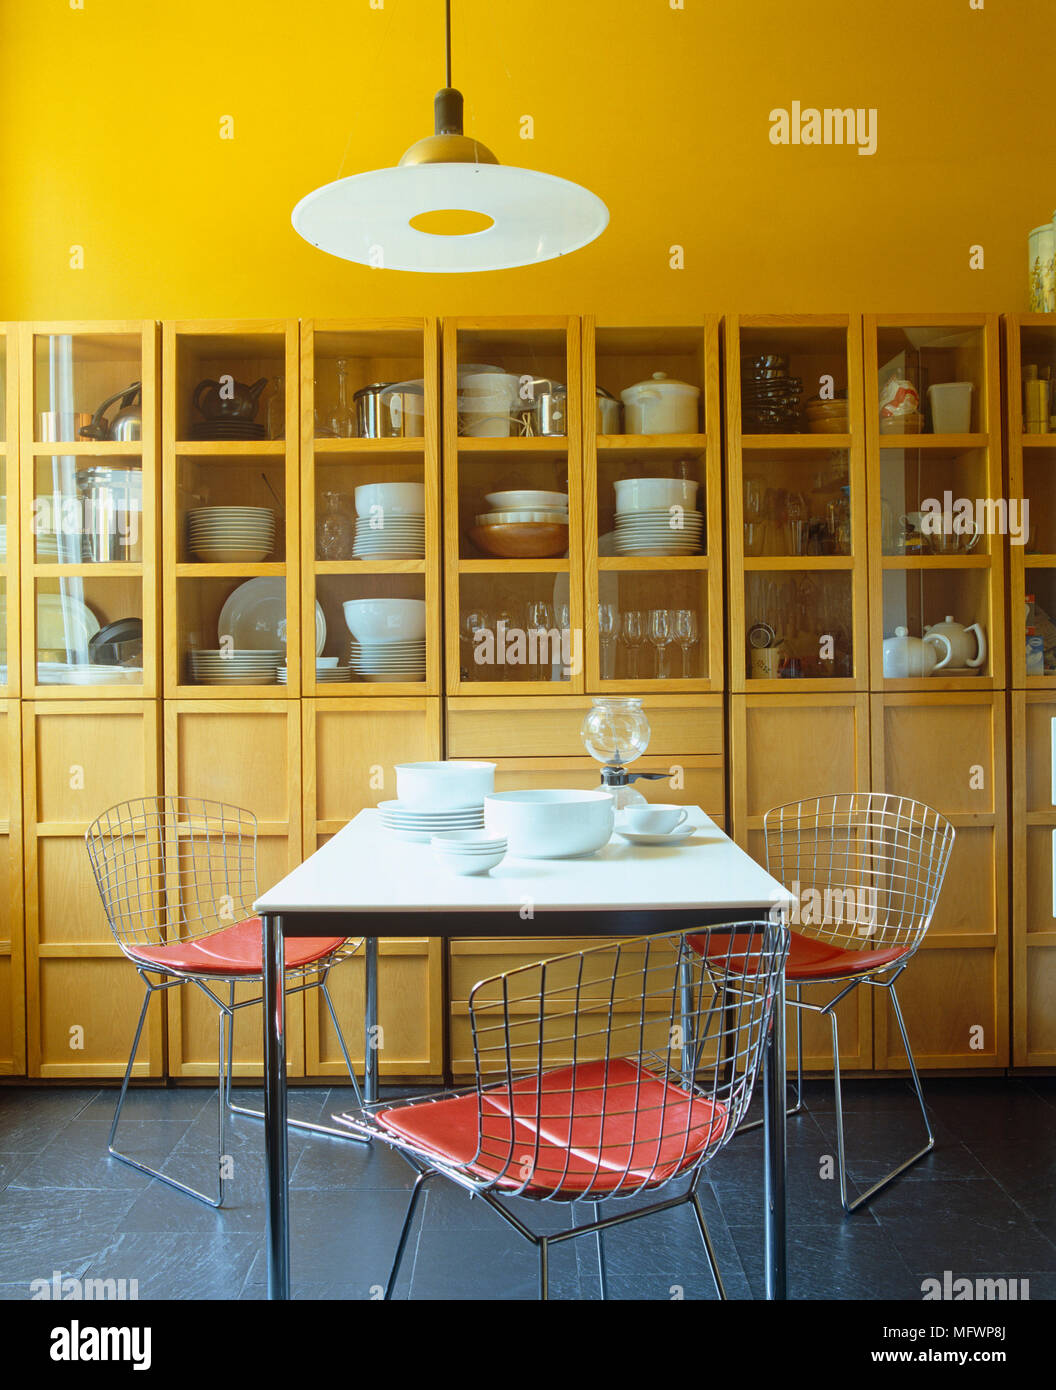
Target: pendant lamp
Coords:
[(532, 216)]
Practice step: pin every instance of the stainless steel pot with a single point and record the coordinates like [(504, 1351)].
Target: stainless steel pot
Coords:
[(369, 412), (609, 410), (548, 409)]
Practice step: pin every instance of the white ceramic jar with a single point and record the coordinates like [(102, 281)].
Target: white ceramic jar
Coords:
[(660, 406)]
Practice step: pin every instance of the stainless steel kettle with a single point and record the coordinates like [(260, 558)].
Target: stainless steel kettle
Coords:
[(126, 424)]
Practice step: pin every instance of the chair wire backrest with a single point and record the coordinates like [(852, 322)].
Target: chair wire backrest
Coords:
[(173, 868), (624, 1065), (865, 868)]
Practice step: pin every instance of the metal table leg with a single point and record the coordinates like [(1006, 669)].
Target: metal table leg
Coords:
[(370, 1020), (275, 1148), (774, 1126)]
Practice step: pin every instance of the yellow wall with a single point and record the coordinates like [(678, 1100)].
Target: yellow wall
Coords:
[(109, 121)]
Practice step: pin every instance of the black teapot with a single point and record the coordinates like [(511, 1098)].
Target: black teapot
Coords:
[(228, 400)]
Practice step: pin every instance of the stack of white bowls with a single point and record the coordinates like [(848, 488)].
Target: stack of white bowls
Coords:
[(388, 638), (390, 521), (657, 516), (228, 667), (469, 851), (231, 534), (433, 798)]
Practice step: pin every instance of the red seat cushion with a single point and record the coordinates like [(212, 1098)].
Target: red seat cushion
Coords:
[(808, 958), (598, 1127), (234, 950)]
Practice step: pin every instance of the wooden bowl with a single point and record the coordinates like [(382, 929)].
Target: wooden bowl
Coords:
[(521, 540), (828, 424)]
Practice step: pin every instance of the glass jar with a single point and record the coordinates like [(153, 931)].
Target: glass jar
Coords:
[(334, 529)]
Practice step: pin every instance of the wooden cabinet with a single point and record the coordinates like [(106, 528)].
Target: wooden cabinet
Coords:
[(1033, 878), (351, 747), (948, 750), (248, 753), (12, 925), (82, 995), (10, 627)]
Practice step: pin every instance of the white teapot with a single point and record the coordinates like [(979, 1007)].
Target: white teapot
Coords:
[(964, 651), (906, 656)]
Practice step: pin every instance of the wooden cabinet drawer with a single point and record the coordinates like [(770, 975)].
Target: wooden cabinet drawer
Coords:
[(526, 727)]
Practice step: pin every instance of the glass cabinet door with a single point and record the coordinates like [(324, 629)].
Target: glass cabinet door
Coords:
[(89, 508)]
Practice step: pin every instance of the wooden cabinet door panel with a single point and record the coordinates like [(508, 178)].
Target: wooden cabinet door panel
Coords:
[(12, 920)]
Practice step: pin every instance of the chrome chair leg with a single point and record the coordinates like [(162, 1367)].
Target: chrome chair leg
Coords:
[(849, 1206), (544, 1269), (601, 1254), (145, 1167), (799, 1106), (301, 1124), (416, 1192), (709, 1249)]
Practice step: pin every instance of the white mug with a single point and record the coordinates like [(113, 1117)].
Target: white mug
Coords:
[(653, 819)]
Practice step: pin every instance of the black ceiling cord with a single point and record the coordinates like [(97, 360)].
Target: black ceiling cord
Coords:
[(447, 8)]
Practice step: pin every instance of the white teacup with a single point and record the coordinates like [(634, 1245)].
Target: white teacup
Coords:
[(653, 819)]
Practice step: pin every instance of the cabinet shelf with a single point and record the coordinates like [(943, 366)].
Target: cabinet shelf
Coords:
[(934, 441), (231, 448), (617, 563), (89, 448), (497, 566), (234, 569), (1038, 441), (411, 445), (935, 562), (655, 446), (538, 446), (350, 568), (115, 569), (795, 441), (794, 563)]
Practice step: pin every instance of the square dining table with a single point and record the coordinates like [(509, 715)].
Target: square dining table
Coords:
[(366, 882)]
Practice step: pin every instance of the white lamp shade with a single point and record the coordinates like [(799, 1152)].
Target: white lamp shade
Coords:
[(366, 217)]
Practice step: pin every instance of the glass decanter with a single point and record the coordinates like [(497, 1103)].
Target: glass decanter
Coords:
[(334, 529), (342, 419)]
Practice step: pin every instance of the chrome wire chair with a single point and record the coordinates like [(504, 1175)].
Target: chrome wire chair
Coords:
[(865, 870), (600, 1075), (177, 876)]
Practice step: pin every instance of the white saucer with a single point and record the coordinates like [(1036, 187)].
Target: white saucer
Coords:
[(673, 837)]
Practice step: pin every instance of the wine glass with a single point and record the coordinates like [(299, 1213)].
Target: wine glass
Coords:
[(687, 634), (541, 622), (660, 637), (608, 623), (632, 636), (474, 620)]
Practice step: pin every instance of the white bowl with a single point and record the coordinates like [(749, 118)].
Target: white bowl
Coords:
[(444, 785), (466, 864), (530, 499), (326, 663), (385, 620), (647, 494), (551, 824), (468, 841), (393, 499)]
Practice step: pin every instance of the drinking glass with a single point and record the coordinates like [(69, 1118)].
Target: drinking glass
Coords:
[(608, 626), (687, 634), (632, 637), (334, 529), (320, 424), (506, 621), (660, 637), (474, 620)]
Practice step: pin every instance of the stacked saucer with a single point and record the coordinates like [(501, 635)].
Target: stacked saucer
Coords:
[(227, 429), (411, 823), (659, 531), (327, 672), (388, 661), (390, 536), (229, 667), (220, 534)]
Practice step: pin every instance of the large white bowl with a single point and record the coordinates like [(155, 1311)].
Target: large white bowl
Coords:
[(444, 785), (645, 494), (385, 619), (394, 499), (557, 824)]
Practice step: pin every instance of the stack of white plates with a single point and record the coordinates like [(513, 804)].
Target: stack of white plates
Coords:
[(469, 851), (220, 667), (390, 536), (231, 534), (409, 823), (528, 505), (659, 531), (87, 673), (325, 675), (388, 661)]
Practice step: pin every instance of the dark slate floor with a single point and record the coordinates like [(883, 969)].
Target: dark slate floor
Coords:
[(983, 1204)]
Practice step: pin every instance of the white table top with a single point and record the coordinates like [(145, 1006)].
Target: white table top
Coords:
[(365, 869)]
